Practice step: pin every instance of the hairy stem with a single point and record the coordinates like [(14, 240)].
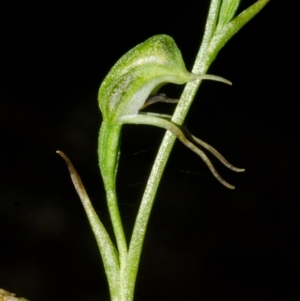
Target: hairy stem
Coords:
[(206, 55)]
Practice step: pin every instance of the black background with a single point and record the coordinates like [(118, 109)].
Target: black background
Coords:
[(204, 242)]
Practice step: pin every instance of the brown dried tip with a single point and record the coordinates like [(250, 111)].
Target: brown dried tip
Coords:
[(74, 175)]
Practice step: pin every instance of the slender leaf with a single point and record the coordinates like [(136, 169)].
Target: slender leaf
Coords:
[(227, 12)]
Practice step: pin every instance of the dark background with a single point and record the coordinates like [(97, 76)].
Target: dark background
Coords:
[(204, 242)]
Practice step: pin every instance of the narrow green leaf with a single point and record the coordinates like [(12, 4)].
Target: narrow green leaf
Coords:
[(224, 34), (227, 12), (106, 247)]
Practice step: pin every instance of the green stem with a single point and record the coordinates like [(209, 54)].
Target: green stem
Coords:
[(209, 48), (143, 215)]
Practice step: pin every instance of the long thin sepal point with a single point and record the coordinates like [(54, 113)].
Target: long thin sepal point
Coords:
[(106, 247)]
